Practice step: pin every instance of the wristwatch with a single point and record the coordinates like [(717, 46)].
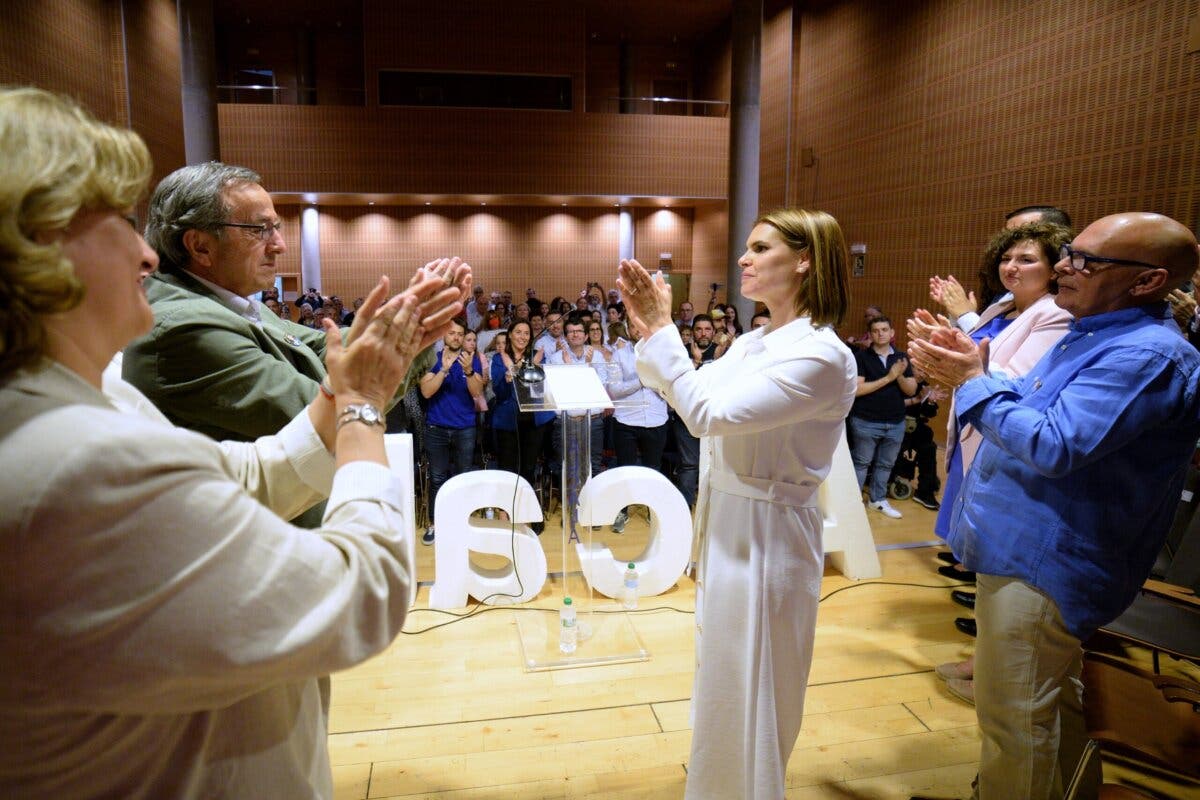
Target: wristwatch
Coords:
[(360, 412)]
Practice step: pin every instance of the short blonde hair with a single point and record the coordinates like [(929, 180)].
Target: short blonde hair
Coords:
[(55, 159), (825, 293)]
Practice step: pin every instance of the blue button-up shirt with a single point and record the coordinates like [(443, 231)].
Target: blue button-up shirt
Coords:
[(1083, 462)]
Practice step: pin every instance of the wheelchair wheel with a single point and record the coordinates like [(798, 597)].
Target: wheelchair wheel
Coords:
[(900, 489)]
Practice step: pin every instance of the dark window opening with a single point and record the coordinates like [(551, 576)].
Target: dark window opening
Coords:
[(473, 90)]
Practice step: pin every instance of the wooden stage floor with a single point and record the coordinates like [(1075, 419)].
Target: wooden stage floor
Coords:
[(449, 712)]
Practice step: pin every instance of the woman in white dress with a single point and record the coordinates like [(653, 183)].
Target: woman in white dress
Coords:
[(775, 407)]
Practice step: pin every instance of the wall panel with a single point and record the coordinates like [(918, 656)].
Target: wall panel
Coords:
[(553, 250), (467, 151), (930, 120)]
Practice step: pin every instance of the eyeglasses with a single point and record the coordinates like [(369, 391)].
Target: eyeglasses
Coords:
[(1079, 261), (263, 231)]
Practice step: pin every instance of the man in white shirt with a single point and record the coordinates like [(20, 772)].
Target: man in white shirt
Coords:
[(578, 351), (476, 311), (639, 430), (552, 339)]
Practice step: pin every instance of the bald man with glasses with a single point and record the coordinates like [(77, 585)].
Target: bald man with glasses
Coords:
[(1071, 495)]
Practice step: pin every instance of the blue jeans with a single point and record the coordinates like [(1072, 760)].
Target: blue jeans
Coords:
[(689, 460), (874, 446), (450, 452)]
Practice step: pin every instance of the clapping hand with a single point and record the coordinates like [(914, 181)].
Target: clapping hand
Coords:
[(647, 298), (922, 324), (949, 357), (950, 294)]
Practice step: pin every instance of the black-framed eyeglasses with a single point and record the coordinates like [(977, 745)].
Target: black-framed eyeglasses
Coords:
[(262, 230), (1079, 261)]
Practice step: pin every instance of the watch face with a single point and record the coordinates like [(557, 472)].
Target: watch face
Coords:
[(369, 414)]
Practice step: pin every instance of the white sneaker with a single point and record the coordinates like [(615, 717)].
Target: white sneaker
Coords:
[(885, 508)]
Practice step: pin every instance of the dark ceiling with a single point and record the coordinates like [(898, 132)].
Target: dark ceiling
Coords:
[(639, 21)]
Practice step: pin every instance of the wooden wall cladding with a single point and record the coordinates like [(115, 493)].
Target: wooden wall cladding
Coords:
[(467, 151), (540, 37), (152, 60), (80, 58), (120, 60), (709, 253), (556, 251), (776, 106), (930, 120)]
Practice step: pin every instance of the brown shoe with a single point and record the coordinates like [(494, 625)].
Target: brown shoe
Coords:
[(956, 670), (963, 690)]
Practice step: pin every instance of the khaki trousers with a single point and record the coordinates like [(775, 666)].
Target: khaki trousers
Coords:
[(1028, 695)]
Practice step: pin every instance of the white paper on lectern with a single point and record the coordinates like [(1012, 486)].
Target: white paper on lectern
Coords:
[(575, 387)]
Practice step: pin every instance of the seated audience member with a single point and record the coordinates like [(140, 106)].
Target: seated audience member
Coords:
[(172, 626), (1113, 405), (876, 421), (450, 387), (918, 450), (307, 316), (520, 435), (348, 320), (961, 306), (761, 319)]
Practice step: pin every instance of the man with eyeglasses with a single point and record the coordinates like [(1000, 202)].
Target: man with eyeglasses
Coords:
[(1071, 495), (215, 361)]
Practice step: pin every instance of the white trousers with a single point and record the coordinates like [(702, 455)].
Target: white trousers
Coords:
[(761, 577)]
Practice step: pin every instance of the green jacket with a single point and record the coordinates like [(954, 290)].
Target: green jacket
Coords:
[(212, 370)]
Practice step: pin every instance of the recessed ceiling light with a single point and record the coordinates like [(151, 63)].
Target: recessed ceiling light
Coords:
[(428, 203), (370, 202), (483, 204)]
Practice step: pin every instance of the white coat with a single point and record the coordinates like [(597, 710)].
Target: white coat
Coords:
[(775, 406)]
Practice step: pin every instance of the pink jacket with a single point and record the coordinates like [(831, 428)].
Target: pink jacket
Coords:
[(1015, 350)]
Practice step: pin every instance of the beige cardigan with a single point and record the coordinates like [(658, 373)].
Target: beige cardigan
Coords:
[(164, 630)]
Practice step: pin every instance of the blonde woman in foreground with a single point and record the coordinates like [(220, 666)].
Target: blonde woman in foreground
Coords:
[(165, 630)]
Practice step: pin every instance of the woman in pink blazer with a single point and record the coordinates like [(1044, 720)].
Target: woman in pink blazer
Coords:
[(1020, 330)]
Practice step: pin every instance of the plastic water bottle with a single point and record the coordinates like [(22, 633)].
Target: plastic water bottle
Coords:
[(630, 596), (568, 634)]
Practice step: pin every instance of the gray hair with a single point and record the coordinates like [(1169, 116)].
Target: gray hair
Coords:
[(190, 198)]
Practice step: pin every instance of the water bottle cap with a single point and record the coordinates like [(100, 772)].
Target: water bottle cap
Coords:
[(566, 601), (631, 565)]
